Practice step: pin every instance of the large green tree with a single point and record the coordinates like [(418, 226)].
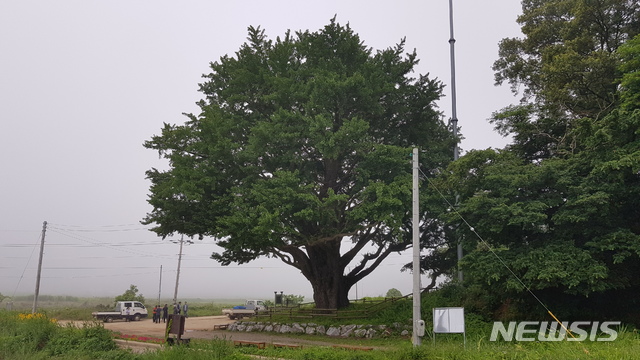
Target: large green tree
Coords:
[(568, 225), (301, 152)]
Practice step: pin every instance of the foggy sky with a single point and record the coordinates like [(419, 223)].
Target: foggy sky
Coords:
[(84, 83)]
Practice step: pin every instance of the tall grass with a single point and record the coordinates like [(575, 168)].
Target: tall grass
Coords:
[(39, 336)]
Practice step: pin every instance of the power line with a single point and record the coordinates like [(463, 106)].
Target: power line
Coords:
[(17, 230), (89, 276), (117, 248), (25, 268), (75, 268), (18, 245), (102, 230), (97, 226), (473, 230)]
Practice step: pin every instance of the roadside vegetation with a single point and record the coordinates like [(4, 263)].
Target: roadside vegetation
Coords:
[(27, 336)]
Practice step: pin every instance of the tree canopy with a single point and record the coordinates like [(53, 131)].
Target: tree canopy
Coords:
[(301, 152), (566, 66), (131, 294), (393, 293)]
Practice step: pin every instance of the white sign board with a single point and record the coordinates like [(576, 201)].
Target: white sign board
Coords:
[(448, 320)]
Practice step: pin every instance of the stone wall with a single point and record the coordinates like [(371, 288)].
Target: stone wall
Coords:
[(360, 331)]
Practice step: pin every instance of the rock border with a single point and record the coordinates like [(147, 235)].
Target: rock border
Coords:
[(358, 331)]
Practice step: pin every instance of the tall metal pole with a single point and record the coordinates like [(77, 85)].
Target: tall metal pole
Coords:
[(175, 293), (35, 297), (454, 114), (160, 285), (416, 250)]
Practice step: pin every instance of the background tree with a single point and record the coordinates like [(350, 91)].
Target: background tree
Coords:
[(566, 67), (130, 294), (393, 293), (301, 152), (287, 300), (292, 300)]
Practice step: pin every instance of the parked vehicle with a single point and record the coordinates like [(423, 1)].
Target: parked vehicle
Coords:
[(137, 311), (250, 308)]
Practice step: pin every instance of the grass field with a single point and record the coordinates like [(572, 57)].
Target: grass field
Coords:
[(77, 308)]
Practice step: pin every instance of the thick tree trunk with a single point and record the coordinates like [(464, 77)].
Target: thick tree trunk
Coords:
[(326, 275), (332, 295)]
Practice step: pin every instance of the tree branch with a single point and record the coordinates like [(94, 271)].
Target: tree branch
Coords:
[(300, 259), (360, 244), (379, 256)]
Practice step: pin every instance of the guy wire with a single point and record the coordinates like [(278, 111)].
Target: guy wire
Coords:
[(473, 230)]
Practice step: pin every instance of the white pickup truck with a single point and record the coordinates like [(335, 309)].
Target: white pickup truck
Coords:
[(136, 312), (250, 308)]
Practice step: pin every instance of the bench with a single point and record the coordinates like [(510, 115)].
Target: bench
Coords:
[(260, 345), (292, 346), (350, 347), (220, 327)]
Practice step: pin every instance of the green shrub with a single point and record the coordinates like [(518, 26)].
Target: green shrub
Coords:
[(34, 336), (91, 337), (33, 331)]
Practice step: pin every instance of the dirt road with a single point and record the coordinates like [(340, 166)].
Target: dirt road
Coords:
[(202, 328), (147, 327)]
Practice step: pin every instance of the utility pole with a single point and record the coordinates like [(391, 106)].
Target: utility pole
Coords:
[(160, 285), (454, 115), (175, 293), (35, 297), (416, 250)]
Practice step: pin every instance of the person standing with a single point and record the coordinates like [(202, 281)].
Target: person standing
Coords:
[(155, 314), (165, 313), (176, 310), (179, 307), (185, 309), (127, 314)]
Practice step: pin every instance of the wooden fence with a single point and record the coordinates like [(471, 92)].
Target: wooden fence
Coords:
[(307, 311)]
